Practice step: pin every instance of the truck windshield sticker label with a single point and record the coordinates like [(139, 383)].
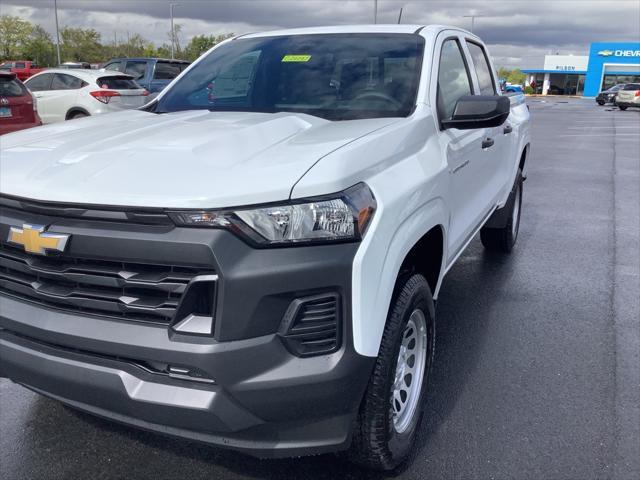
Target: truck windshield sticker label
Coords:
[(296, 58)]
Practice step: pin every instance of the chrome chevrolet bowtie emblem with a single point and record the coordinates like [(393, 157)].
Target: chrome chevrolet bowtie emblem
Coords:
[(34, 239)]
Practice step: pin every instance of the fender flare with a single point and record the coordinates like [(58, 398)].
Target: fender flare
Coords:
[(373, 285)]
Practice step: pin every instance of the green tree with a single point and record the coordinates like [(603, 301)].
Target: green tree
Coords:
[(516, 77), (79, 44), (201, 43), (503, 73), (40, 48), (163, 51), (14, 35)]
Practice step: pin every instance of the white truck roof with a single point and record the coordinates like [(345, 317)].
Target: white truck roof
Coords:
[(378, 28)]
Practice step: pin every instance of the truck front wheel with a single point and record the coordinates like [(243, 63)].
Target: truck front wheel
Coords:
[(504, 238), (392, 406)]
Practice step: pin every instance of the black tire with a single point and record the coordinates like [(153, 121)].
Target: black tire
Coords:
[(600, 102), (377, 444), (621, 107), (78, 115), (503, 239)]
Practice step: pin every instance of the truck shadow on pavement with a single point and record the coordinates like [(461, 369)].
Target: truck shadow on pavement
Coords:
[(463, 319)]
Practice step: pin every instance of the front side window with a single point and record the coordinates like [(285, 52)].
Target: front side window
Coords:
[(453, 78), (137, 69), (66, 82), (21, 65), (39, 82), (483, 70), (332, 76)]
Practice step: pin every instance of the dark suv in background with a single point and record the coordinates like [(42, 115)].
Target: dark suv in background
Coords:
[(609, 95), (151, 73)]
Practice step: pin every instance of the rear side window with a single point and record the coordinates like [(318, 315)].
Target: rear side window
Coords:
[(10, 87), (136, 69), (453, 78), (66, 82), (483, 70), (40, 82), (168, 71), (115, 66), (21, 65), (632, 86), (118, 83)]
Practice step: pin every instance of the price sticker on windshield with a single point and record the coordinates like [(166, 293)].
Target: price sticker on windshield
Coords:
[(296, 58)]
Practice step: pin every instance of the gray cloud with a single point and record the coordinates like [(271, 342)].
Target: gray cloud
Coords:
[(517, 31)]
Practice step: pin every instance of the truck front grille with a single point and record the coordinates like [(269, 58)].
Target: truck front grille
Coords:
[(130, 291)]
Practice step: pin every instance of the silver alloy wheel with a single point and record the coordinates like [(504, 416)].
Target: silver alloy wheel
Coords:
[(410, 369), (516, 214)]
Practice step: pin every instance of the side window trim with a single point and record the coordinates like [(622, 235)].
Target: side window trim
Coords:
[(489, 65), (465, 59)]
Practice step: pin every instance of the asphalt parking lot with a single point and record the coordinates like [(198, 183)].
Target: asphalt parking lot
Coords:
[(537, 371)]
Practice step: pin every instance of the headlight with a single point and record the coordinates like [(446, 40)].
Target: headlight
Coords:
[(341, 217)]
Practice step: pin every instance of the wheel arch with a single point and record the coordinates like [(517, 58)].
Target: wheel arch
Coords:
[(524, 156), (73, 110), (426, 257)]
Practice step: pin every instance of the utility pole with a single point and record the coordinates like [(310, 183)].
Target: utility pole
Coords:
[(55, 7), (375, 11), (173, 31), (400, 16), (473, 18)]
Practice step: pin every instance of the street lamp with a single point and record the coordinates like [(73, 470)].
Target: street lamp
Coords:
[(55, 7), (473, 18), (173, 31)]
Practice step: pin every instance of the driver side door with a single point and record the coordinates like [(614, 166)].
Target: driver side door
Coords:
[(464, 149)]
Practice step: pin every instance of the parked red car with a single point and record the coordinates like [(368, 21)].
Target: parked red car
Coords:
[(22, 68), (18, 108)]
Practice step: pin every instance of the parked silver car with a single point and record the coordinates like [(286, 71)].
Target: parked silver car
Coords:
[(629, 96)]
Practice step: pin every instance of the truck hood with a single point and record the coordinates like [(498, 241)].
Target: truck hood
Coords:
[(195, 159)]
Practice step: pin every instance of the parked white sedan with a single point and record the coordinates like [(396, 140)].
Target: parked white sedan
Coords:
[(67, 94)]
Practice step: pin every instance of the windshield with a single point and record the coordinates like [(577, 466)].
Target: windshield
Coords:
[(337, 77)]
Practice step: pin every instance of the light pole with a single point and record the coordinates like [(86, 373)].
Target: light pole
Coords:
[(173, 31), (375, 11), (473, 18), (55, 7)]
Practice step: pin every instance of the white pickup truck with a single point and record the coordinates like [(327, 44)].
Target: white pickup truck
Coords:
[(253, 260)]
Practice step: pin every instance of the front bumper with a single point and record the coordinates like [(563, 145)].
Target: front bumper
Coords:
[(628, 104), (255, 394)]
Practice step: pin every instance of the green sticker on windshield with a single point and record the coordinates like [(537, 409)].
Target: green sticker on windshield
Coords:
[(296, 58)]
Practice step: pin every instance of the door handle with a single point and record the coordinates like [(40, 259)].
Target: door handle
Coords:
[(488, 142), (507, 129)]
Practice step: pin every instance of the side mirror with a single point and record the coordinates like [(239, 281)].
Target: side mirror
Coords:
[(479, 111)]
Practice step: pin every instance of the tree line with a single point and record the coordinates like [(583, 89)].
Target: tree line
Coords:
[(22, 40), (515, 76)]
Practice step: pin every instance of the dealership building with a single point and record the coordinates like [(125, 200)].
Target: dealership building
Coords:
[(606, 65)]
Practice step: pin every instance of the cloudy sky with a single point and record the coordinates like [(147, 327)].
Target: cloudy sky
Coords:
[(519, 32)]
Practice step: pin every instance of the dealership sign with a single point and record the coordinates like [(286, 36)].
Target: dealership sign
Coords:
[(566, 63), (619, 53)]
